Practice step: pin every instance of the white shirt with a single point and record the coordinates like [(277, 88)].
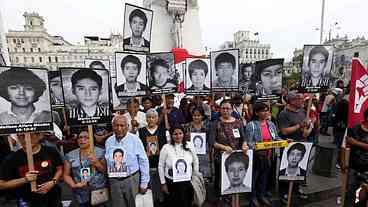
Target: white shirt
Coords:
[(167, 155)]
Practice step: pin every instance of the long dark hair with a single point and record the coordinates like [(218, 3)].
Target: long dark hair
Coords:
[(184, 142)]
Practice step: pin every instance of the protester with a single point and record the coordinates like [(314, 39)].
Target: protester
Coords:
[(326, 113), (200, 125), (82, 159), (14, 174), (174, 115), (124, 189), (226, 134), (179, 194), (136, 119), (153, 135), (260, 129), (147, 103)]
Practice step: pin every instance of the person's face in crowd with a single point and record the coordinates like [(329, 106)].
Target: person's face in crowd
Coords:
[(137, 26), (294, 158), (147, 104), (198, 77), (198, 143), (178, 136), (120, 127), (35, 140), (55, 87), (181, 167), (271, 78), (160, 75), (225, 71), (236, 173), (130, 72), (133, 108), (317, 65), (197, 117), (83, 140), (118, 157), (169, 102), (247, 73), (263, 114), (226, 110), (21, 95), (152, 120), (87, 92), (298, 102)]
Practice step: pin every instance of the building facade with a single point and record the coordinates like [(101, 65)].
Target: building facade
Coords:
[(250, 48), (35, 47)]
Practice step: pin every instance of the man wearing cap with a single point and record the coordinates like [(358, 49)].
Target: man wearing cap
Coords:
[(294, 125)]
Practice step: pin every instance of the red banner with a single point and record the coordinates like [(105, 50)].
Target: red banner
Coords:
[(358, 92)]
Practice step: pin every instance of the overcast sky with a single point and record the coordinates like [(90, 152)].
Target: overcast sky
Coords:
[(285, 24)]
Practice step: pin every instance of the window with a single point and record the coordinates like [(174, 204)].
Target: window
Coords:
[(24, 49), (17, 59), (31, 49), (40, 58), (32, 59), (49, 59), (14, 41), (56, 59), (22, 40), (39, 49), (25, 59)]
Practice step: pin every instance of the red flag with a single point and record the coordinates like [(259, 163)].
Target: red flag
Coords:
[(181, 55), (358, 92)]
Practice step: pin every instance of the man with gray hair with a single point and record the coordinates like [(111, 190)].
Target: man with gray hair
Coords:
[(124, 189), (154, 138)]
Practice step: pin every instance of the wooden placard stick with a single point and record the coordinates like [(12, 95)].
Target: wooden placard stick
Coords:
[(309, 105), (291, 184), (166, 119), (235, 200), (91, 143), (30, 158), (10, 142)]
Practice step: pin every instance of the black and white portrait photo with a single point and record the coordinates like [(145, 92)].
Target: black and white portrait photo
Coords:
[(237, 172), (316, 69), (268, 79), (224, 67), (199, 142), (131, 76), (181, 170), (162, 75), (85, 174), (56, 90), (97, 63), (119, 103), (246, 74), (86, 95), (24, 100), (2, 60), (294, 163), (137, 28), (152, 146), (197, 76), (116, 166)]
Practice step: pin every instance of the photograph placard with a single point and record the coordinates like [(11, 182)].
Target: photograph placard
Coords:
[(131, 75), (199, 142), (182, 171), (24, 100), (268, 79), (86, 96), (161, 73), (137, 28), (316, 69), (237, 176), (294, 163), (224, 70), (56, 89), (197, 76), (246, 77), (116, 165)]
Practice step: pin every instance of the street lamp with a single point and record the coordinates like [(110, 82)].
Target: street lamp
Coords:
[(178, 8)]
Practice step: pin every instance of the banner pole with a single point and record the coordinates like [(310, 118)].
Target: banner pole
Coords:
[(30, 161), (91, 142), (345, 173)]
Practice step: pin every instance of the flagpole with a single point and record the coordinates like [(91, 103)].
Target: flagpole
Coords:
[(322, 21)]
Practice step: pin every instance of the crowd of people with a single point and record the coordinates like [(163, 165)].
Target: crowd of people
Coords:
[(156, 138)]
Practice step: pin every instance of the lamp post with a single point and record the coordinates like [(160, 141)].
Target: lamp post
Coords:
[(177, 8), (322, 20)]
